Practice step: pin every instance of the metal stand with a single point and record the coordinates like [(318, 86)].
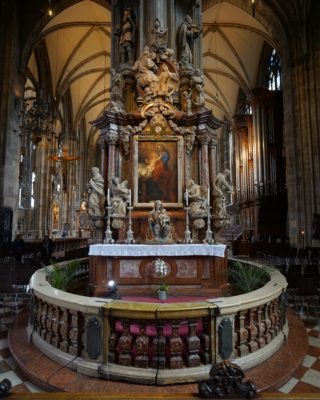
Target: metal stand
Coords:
[(130, 239), (108, 233), (209, 237), (187, 233)]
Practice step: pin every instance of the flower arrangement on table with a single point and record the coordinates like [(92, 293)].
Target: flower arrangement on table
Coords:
[(161, 269)]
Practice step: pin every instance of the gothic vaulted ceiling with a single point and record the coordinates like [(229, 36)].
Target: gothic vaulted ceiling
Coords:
[(78, 41)]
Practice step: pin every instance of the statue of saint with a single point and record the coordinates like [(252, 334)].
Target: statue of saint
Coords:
[(187, 33), (196, 199), (127, 38), (168, 80), (146, 68), (119, 197), (197, 91), (96, 194), (159, 223), (160, 36), (116, 91), (221, 187)]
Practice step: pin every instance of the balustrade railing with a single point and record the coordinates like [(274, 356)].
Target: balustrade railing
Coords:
[(115, 339)]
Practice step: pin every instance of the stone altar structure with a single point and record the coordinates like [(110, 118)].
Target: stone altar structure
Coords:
[(155, 136)]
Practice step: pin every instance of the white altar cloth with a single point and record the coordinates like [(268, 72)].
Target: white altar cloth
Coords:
[(145, 250)]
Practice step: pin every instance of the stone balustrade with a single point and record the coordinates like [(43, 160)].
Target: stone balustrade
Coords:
[(145, 342)]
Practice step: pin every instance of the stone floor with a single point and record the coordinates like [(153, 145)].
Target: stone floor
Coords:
[(304, 379)]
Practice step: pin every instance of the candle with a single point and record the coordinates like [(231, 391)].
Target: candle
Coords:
[(129, 197), (108, 197), (208, 196), (186, 196)]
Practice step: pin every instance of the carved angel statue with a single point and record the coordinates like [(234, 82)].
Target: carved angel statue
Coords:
[(96, 194), (160, 36), (160, 41), (116, 91), (197, 89), (197, 199), (120, 195), (221, 188)]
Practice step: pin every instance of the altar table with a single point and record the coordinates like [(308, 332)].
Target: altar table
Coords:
[(194, 269)]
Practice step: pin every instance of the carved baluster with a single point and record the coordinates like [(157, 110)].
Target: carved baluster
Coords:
[(43, 320), (242, 344), (272, 318), (261, 329), (142, 348), (49, 324), (205, 343), (176, 347), (75, 333), (125, 345), (113, 341), (277, 315), (64, 330), (38, 312), (159, 349), (267, 323), (253, 331), (193, 344), (56, 338)]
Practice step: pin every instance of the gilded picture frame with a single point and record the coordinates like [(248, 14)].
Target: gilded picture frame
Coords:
[(157, 170)]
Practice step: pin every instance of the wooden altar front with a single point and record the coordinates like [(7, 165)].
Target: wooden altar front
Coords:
[(194, 269)]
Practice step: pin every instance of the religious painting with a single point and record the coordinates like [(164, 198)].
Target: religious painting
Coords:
[(157, 171)]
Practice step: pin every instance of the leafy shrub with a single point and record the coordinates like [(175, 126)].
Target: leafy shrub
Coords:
[(245, 278), (60, 277)]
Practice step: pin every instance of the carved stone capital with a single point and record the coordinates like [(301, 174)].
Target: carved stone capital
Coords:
[(112, 138), (204, 138)]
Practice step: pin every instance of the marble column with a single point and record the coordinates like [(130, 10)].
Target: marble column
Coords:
[(204, 139), (213, 161), (104, 160), (112, 140)]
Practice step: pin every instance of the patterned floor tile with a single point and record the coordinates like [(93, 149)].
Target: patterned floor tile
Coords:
[(287, 388), (308, 361), (312, 377)]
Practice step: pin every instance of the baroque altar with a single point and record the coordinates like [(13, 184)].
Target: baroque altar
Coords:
[(158, 162)]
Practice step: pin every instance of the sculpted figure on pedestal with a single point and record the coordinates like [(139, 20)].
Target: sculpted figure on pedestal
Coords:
[(116, 91), (197, 91), (159, 223), (119, 197), (96, 194), (196, 199), (127, 38), (159, 43), (187, 33), (221, 187), (146, 69)]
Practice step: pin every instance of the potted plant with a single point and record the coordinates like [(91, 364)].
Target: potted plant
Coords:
[(161, 269)]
